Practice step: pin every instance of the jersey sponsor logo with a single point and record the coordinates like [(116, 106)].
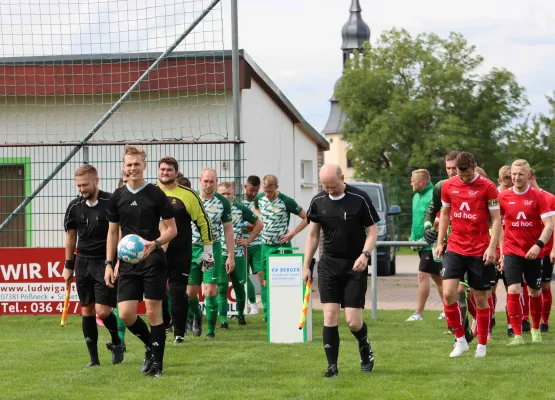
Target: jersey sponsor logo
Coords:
[(134, 203), (463, 212), (472, 193), (528, 202), (521, 220)]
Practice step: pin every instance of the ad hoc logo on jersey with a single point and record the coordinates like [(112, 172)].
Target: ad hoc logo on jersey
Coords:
[(464, 212), (521, 220)]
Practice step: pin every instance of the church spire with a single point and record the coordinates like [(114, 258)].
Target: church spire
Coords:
[(355, 32)]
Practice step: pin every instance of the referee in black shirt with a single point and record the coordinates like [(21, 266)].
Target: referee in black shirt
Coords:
[(139, 208), (348, 219), (85, 219)]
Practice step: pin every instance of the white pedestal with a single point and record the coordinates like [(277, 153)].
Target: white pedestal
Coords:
[(285, 300)]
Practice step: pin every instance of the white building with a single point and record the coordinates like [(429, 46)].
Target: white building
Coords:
[(183, 109)]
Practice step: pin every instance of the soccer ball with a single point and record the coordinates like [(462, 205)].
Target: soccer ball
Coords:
[(131, 249)]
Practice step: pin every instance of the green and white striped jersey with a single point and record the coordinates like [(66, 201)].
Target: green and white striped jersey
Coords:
[(219, 211), (275, 216), (257, 241), (239, 214)]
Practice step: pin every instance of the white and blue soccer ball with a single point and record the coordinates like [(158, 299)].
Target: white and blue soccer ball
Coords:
[(131, 249)]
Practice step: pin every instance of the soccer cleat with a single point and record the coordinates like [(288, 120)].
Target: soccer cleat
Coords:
[(536, 335), (197, 326), (366, 357), (544, 328), (480, 352), (224, 325), (117, 354), (155, 371), (179, 340), (109, 346), (92, 364), (147, 362), (415, 317), (459, 348), (441, 316), (254, 309), (332, 371), (241, 321), (211, 336), (516, 341), (510, 333), (526, 325)]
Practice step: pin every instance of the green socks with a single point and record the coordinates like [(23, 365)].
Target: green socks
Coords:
[(211, 312), (194, 309), (222, 301)]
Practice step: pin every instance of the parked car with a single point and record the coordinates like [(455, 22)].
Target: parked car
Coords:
[(386, 226)]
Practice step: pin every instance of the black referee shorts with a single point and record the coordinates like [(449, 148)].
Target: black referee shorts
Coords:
[(516, 266), (547, 269), (338, 283), (480, 276), (147, 278), (91, 287)]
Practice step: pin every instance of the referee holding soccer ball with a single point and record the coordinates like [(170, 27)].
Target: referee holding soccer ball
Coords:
[(348, 220), (138, 208)]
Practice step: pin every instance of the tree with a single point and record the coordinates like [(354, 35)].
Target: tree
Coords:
[(409, 101)]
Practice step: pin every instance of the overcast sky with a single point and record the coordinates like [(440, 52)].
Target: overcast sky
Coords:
[(297, 42)]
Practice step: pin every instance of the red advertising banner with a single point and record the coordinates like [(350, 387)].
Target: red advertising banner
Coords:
[(31, 283)]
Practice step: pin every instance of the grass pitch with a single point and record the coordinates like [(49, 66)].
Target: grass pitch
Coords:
[(42, 361)]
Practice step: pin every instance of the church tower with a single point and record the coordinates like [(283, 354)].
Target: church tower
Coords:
[(355, 32)]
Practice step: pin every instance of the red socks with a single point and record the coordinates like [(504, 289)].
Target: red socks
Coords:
[(547, 301), (454, 318), (483, 319), (536, 311), (514, 309)]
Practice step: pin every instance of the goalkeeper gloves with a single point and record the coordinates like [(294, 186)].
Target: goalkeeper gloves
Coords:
[(430, 235), (207, 258)]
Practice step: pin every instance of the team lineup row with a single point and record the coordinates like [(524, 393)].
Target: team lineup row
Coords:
[(191, 238)]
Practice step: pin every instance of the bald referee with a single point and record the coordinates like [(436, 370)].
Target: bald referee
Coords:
[(348, 219)]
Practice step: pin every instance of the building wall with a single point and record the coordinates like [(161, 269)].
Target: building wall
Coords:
[(273, 145), (337, 154)]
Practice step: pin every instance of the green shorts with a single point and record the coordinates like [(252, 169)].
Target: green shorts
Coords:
[(214, 275), (267, 250), (253, 258), (240, 271)]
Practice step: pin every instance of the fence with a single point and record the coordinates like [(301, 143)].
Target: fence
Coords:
[(78, 86), (399, 191), (23, 168)]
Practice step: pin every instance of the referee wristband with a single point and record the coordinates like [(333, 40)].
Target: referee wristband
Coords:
[(540, 244), (69, 264)]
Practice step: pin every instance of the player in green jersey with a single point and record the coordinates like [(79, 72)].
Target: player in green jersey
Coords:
[(252, 187), (215, 279), (239, 214), (275, 209)]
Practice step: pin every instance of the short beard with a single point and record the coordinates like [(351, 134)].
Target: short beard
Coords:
[(168, 182)]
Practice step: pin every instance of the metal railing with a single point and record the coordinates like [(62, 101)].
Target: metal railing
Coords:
[(374, 265)]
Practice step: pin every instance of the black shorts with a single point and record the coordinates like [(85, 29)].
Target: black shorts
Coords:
[(516, 266), (91, 287), (547, 269), (427, 263), (338, 283), (147, 278), (480, 276), (179, 268)]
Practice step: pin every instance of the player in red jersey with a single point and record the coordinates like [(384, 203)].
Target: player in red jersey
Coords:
[(468, 200), (548, 260), (524, 209)]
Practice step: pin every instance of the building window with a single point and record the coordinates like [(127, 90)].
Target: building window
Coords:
[(307, 178)]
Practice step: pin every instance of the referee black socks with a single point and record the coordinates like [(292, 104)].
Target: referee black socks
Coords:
[(331, 344), (140, 330), (90, 331), (111, 323), (158, 343), (361, 334)]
